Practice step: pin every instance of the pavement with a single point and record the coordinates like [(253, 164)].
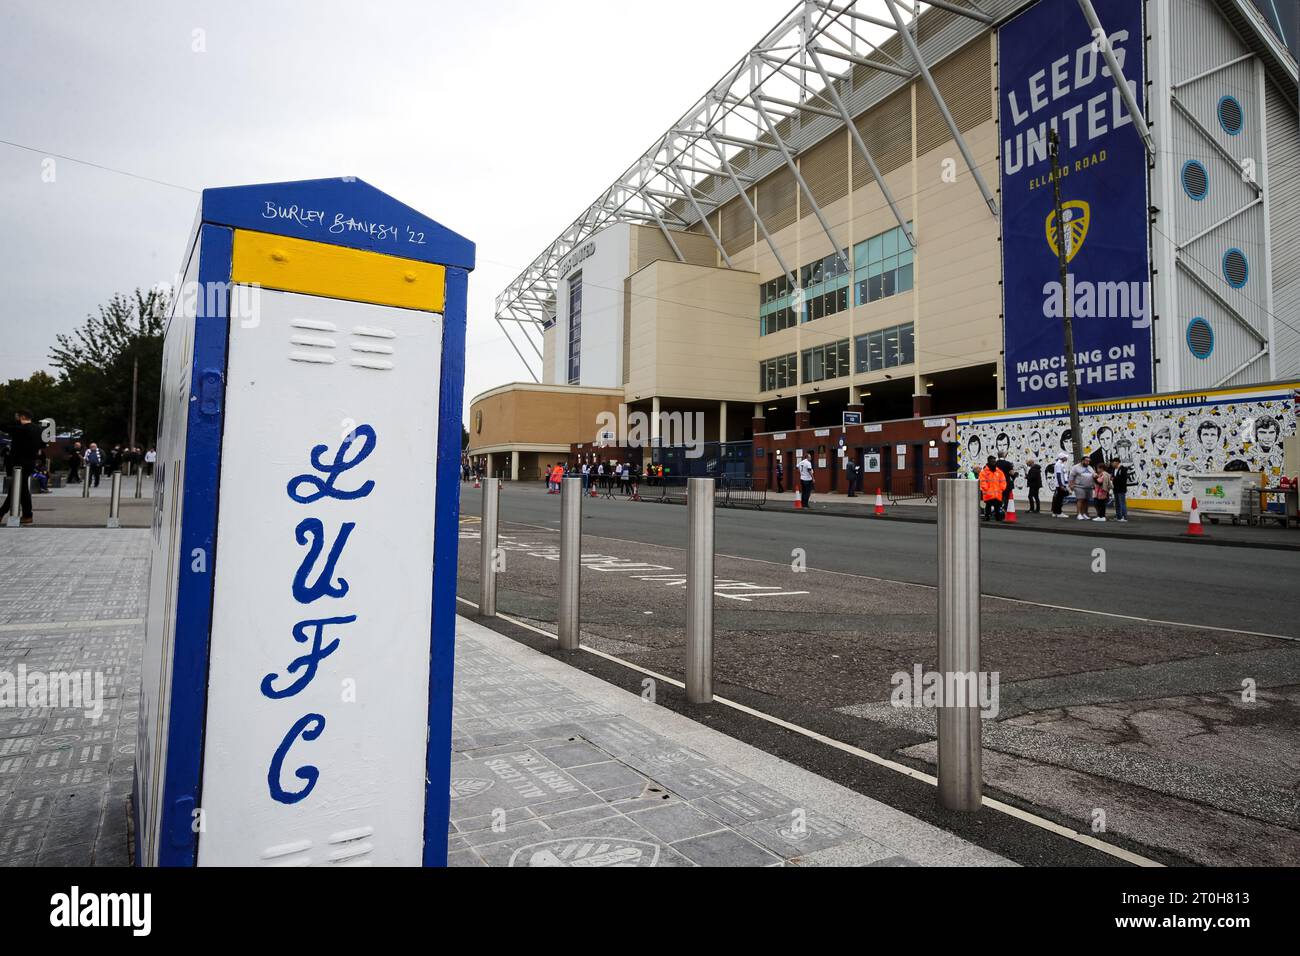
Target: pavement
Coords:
[(551, 766), (1145, 688), (66, 508), (554, 767)]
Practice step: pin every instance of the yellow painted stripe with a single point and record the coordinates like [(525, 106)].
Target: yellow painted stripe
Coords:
[(334, 272)]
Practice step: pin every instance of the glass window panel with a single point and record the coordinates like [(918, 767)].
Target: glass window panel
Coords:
[(861, 297), (842, 299), (906, 345), (890, 241), (875, 249), (874, 288), (877, 351), (905, 255), (860, 255), (818, 306), (888, 286), (904, 280)]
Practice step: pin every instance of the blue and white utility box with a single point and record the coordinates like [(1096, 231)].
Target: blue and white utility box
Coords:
[(296, 686)]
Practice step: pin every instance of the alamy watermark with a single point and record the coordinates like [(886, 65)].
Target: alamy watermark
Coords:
[(63, 690), (932, 689), (637, 430)]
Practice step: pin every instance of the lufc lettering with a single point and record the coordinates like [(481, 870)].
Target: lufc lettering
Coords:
[(316, 634), (1080, 124)]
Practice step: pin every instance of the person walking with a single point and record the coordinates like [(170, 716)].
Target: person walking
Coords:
[(94, 464), (1060, 484), (1102, 484), (150, 459), (805, 479), (114, 460), (993, 486), (780, 478), (1081, 482), (851, 473), (74, 464), (1009, 470), (25, 447), (1120, 477), (1034, 482)]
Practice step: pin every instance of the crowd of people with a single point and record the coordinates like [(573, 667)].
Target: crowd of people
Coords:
[(1093, 484), (27, 449)]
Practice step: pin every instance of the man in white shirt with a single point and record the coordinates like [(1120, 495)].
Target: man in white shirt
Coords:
[(1061, 482), (1082, 479), (805, 478)]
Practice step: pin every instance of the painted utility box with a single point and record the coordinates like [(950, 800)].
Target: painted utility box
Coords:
[(295, 706)]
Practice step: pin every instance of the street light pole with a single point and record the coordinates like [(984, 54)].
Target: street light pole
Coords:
[(135, 387), (1063, 261)]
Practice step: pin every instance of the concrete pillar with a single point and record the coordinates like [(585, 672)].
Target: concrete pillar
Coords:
[(921, 404), (722, 423), (514, 465), (802, 417), (654, 422)]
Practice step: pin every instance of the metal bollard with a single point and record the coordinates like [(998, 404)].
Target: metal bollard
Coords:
[(960, 743), (15, 498), (570, 562), (85, 481), (699, 591), (487, 581), (115, 501), (139, 482)]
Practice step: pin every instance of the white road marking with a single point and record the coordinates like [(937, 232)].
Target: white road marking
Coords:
[(996, 597), (1006, 808)]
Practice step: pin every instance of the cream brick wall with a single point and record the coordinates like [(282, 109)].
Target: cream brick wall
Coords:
[(693, 333)]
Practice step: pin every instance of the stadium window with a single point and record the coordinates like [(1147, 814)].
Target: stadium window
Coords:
[(777, 373), (883, 266), (575, 328), (886, 348)]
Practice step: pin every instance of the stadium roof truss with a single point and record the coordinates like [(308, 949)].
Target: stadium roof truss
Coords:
[(825, 63)]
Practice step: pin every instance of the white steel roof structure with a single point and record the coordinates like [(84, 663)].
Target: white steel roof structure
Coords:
[(825, 63)]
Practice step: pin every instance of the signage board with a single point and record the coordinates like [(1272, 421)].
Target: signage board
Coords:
[(295, 706), (1051, 72)]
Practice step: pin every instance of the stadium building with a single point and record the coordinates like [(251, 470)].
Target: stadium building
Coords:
[(850, 241)]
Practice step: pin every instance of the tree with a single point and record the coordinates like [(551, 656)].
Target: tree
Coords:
[(41, 395), (96, 364)]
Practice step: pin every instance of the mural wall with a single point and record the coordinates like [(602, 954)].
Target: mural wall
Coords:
[(1164, 439)]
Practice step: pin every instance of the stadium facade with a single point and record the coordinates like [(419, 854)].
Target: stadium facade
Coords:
[(859, 218)]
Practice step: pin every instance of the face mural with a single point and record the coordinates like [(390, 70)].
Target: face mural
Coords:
[(1163, 441)]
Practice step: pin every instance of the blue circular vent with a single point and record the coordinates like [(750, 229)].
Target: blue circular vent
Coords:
[(1200, 338), (1196, 181), (1231, 116), (1236, 270)]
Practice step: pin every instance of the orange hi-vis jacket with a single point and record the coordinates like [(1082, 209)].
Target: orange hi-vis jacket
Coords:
[(992, 484), (557, 474)]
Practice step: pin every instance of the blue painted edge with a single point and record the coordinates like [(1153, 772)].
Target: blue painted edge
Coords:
[(182, 776), (1200, 320), (1218, 111), (1245, 260), (446, 546), (344, 211), (1182, 179)]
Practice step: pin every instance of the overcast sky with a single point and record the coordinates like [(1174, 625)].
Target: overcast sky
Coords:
[(501, 119)]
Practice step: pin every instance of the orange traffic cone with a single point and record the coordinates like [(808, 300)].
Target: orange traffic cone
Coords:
[(477, 483), (1194, 529), (798, 501), (1010, 516), (880, 501)]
